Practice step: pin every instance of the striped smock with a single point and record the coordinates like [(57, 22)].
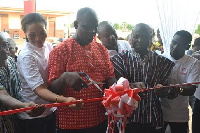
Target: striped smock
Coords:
[(9, 81), (152, 70)]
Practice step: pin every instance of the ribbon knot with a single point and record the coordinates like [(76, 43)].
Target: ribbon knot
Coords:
[(120, 101)]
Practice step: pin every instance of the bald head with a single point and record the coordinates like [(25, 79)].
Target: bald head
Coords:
[(84, 13)]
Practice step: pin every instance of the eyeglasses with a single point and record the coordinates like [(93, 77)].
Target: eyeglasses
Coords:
[(4, 46)]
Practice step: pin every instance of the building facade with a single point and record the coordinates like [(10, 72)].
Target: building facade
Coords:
[(58, 23)]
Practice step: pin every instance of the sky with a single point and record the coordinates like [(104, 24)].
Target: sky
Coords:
[(115, 11)]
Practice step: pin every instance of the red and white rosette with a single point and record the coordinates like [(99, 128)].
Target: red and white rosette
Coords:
[(120, 102)]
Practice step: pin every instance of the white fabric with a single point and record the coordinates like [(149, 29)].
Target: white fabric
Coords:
[(176, 15), (197, 92), (6, 34), (32, 64), (186, 70), (122, 46)]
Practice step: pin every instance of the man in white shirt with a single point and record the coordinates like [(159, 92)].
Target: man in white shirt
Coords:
[(108, 36), (186, 70), (196, 109)]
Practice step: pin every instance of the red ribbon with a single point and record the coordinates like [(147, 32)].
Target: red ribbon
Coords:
[(134, 94), (112, 102), (120, 102), (8, 112), (113, 98)]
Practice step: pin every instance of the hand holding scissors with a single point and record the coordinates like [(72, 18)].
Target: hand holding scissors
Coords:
[(93, 82)]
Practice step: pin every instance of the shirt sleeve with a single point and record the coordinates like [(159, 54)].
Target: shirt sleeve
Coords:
[(123, 46), (111, 73), (165, 67), (57, 63), (117, 61), (194, 73), (110, 68), (30, 72)]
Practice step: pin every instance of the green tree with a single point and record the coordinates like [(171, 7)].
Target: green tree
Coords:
[(197, 31), (72, 25), (130, 26), (121, 27), (116, 26)]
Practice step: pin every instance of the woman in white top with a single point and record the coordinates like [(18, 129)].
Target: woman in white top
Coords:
[(33, 69)]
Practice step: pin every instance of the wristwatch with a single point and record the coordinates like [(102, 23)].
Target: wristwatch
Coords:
[(180, 90)]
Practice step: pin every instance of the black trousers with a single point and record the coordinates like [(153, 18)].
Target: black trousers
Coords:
[(196, 117), (140, 128), (101, 128), (38, 125), (176, 127)]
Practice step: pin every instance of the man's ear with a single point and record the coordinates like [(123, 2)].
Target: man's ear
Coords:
[(75, 24), (188, 46)]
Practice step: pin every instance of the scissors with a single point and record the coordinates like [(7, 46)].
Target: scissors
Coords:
[(93, 82)]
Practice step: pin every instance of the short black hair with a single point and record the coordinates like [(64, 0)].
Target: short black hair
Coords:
[(32, 18), (185, 34), (103, 25), (143, 25), (146, 26), (197, 42)]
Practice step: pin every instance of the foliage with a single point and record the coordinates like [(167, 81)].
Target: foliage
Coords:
[(124, 26), (116, 26), (197, 31), (121, 27), (130, 26), (72, 25)]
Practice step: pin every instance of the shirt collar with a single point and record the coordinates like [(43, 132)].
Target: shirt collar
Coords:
[(31, 46), (179, 60)]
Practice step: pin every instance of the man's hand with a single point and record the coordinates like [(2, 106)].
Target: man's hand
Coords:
[(74, 80), (188, 90), (77, 106), (139, 85), (161, 92), (173, 92), (35, 112), (62, 99)]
